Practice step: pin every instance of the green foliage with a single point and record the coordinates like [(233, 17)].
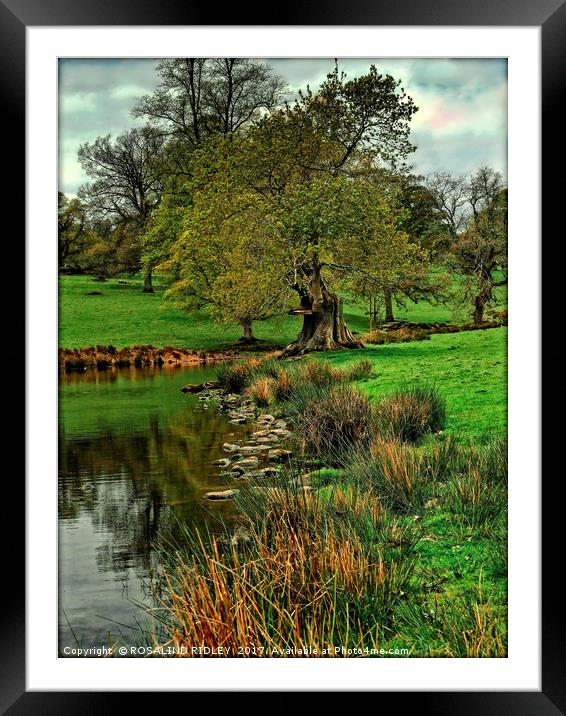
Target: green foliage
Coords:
[(268, 206)]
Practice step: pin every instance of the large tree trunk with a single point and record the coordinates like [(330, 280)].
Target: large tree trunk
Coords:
[(323, 322), (147, 281), (388, 299)]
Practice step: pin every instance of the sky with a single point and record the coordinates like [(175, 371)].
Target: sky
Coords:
[(461, 123)]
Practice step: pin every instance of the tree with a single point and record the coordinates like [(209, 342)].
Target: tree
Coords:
[(224, 258), (474, 215), (73, 231), (300, 177), (199, 97), (423, 225), (319, 153), (128, 181), (480, 251)]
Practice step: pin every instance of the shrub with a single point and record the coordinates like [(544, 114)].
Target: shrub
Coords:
[(332, 425), (400, 335), (411, 413), (361, 370), (396, 473)]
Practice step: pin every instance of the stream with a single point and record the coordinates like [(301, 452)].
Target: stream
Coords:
[(135, 456)]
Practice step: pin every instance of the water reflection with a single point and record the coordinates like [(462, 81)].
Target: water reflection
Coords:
[(135, 456)]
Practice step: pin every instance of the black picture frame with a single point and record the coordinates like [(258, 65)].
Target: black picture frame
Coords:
[(550, 15)]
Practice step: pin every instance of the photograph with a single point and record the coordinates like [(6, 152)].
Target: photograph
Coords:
[(282, 357)]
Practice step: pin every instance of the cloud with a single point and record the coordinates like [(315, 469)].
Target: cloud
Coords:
[(461, 122)]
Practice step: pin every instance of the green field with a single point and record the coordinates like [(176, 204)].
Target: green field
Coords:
[(124, 316)]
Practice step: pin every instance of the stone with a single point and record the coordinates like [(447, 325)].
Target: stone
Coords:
[(221, 495), (280, 424), (280, 433), (193, 388), (260, 433), (238, 421), (268, 471), (278, 454), (266, 440), (266, 418), (246, 463), (222, 462), (230, 447), (250, 450)]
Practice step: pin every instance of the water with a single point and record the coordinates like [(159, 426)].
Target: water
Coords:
[(135, 455)]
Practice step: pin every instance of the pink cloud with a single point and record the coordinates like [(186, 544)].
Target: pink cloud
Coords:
[(443, 117)]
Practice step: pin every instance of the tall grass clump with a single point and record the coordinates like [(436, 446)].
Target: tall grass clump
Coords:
[(305, 578), (317, 372), (263, 391), (360, 370), (400, 476), (332, 425), (235, 377), (411, 413), (477, 491)]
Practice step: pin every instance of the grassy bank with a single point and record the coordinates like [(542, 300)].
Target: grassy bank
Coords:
[(397, 549), (398, 544)]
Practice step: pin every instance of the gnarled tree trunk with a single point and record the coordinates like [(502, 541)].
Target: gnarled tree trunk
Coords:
[(323, 321)]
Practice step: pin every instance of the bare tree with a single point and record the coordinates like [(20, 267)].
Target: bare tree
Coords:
[(480, 251), (200, 97), (128, 176), (452, 196), (474, 211)]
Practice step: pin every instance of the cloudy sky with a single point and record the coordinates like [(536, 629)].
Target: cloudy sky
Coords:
[(461, 123)]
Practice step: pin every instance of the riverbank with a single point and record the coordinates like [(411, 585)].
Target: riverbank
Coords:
[(366, 535), (102, 357)]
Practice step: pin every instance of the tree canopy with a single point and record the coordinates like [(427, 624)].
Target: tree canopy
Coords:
[(301, 183)]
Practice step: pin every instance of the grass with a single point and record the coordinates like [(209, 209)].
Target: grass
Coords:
[(401, 547), (347, 566), (123, 316), (468, 369)]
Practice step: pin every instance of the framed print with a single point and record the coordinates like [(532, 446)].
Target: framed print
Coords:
[(269, 354)]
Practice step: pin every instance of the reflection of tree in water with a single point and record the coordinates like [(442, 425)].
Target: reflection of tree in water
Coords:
[(134, 486)]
